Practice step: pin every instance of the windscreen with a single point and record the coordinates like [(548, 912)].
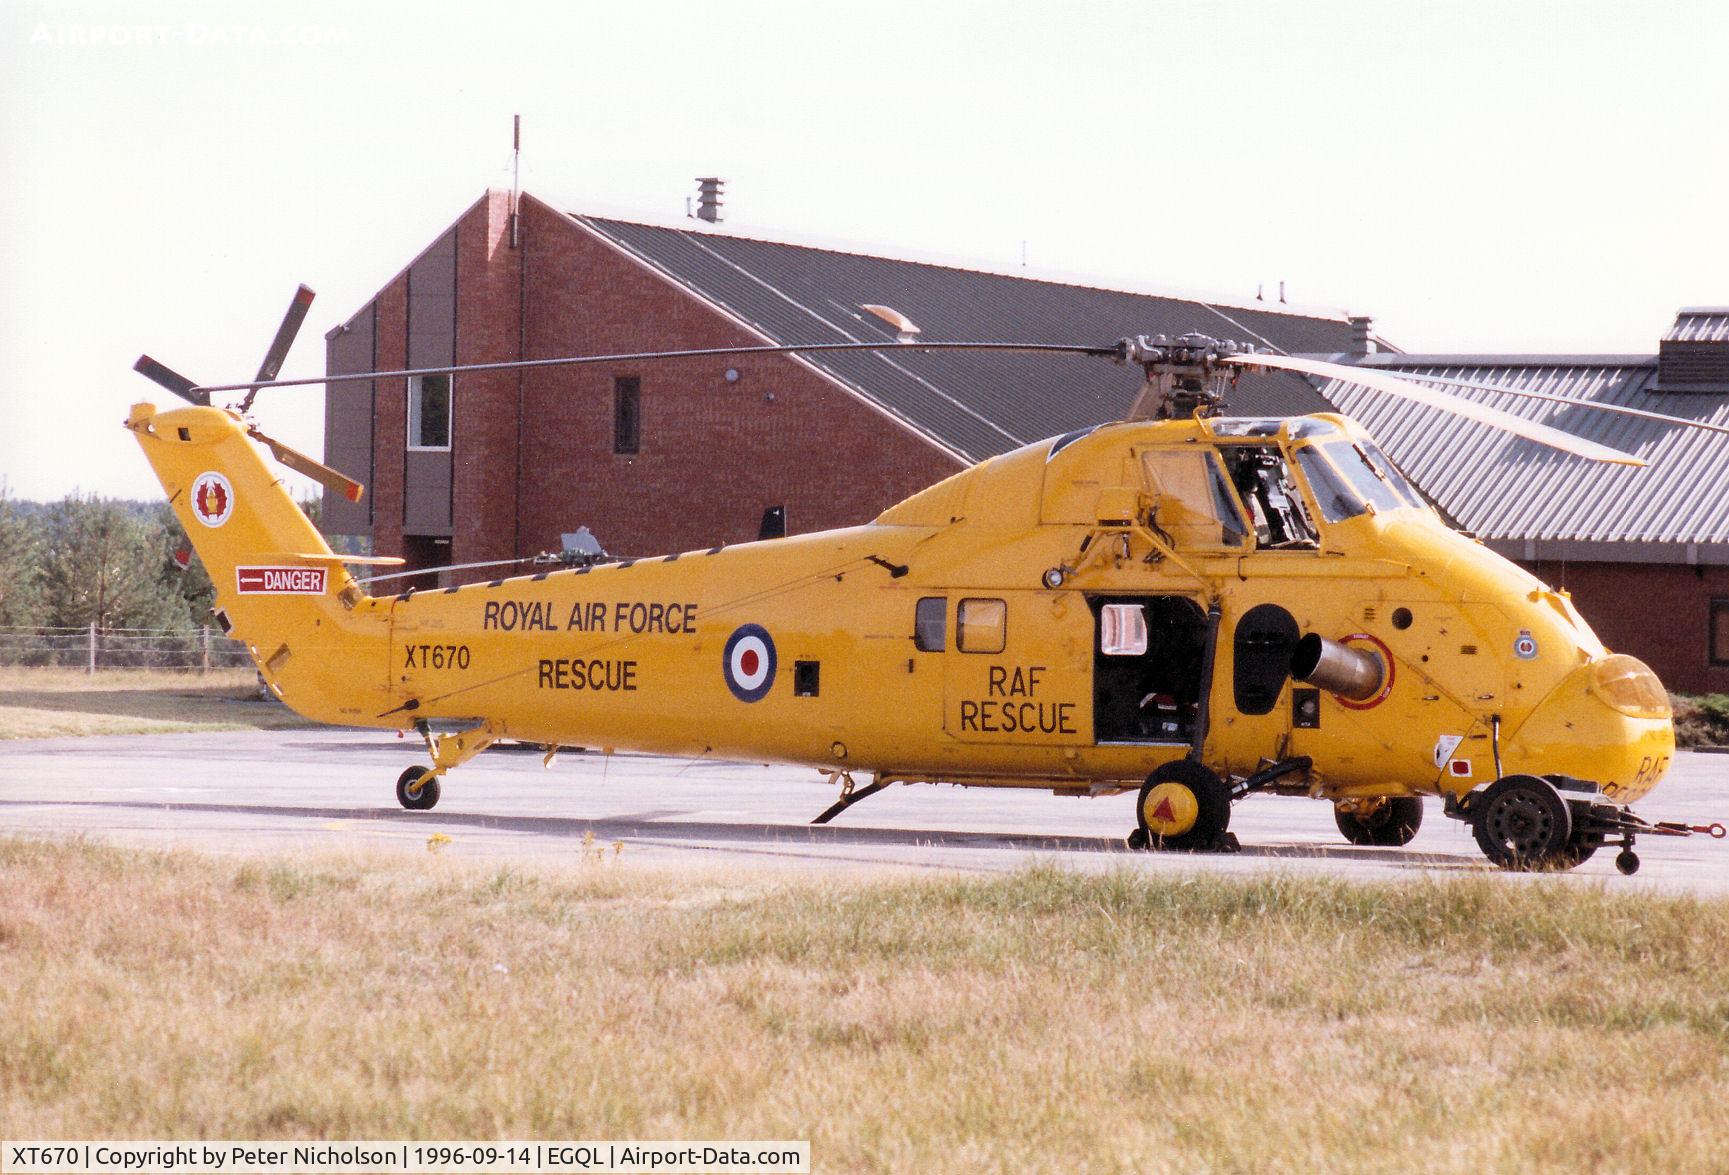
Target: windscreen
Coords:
[(1347, 480)]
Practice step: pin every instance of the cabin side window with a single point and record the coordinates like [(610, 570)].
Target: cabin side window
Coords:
[(930, 624), (981, 626)]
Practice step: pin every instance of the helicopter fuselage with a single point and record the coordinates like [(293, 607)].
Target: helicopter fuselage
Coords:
[(1070, 616)]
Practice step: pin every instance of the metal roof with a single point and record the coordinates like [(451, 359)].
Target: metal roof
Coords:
[(977, 404), (1500, 487), (1700, 324)]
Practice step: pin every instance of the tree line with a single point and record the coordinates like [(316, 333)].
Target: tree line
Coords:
[(87, 560)]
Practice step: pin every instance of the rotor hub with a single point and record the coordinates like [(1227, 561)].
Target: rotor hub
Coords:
[(1185, 376)]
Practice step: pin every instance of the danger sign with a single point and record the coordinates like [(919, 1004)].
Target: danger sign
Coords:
[(280, 581)]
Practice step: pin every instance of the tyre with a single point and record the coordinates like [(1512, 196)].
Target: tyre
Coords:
[(1391, 824), (1183, 805), (417, 789), (1521, 822)]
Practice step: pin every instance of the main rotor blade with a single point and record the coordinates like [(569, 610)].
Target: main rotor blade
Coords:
[(316, 470), (1554, 438), (1553, 398), (285, 335), (645, 356), (167, 377)]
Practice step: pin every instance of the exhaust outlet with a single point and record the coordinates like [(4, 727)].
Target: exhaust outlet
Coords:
[(1339, 669)]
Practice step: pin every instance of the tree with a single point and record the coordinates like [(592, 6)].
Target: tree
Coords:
[(102, 566), (21, 600)]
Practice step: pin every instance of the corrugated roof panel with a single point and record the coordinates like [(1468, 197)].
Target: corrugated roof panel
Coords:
[(980, 404), (1503, 487)]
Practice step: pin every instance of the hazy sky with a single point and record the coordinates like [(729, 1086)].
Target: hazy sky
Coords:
[(1496, 177)]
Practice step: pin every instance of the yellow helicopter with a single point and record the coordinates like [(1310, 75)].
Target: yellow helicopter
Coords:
[(1190, 605)]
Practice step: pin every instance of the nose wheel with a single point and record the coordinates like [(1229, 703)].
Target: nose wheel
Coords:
[(1523, 823), (417, 789)]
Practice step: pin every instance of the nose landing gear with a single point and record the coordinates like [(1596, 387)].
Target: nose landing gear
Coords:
[(1527, 822)]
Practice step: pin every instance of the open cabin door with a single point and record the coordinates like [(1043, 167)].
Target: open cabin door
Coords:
[(1149, 662)]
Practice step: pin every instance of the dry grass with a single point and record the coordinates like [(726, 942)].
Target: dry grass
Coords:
[(58, 703), (1047, 1020)]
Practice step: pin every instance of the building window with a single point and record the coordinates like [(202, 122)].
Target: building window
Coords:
[(929, 629), (626, 414), (429, 412), (1720, 631), (981, 626)]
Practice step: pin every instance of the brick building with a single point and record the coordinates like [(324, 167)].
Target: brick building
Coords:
[(677, 455)]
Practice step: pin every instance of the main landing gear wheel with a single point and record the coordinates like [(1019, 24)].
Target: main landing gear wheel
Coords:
[(1183, 805), (1391, 823), (1523, 823), (417, 789)]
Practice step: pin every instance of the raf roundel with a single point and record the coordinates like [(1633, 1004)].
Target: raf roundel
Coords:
[(748, 662), (212, 499)]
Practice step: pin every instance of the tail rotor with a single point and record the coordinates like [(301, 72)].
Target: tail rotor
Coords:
[(165, 376)]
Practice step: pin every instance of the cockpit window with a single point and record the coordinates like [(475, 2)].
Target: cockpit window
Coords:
[(1264, 481), (1194, 506), (1351, 478), (1333, 494), (1297, 428), (1369, 478), (1384, 465), (1247, 426)]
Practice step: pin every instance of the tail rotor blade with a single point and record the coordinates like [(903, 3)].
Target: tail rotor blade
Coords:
[(1554, 438), (160, 373), (285, 333), (302, 464)]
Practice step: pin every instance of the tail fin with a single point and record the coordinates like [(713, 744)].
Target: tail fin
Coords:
[(279, 587)]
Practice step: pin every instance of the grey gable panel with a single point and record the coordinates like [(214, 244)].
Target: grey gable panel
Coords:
[(980, 404)]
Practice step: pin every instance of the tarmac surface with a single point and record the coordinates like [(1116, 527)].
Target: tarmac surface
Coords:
[(266, 792)]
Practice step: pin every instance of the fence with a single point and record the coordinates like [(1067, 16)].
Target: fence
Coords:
[(92, 648)]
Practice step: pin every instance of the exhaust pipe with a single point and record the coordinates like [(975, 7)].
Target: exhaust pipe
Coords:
[(1340, 669)]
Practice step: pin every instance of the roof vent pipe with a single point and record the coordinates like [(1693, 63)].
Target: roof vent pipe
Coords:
[(708, 192), (1362, 341)]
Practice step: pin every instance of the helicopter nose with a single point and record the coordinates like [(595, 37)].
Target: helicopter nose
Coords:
[(1608, 721)]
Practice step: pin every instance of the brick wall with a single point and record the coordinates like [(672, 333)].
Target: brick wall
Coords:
[(483, 437), (390, 433), (1657, 612)]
